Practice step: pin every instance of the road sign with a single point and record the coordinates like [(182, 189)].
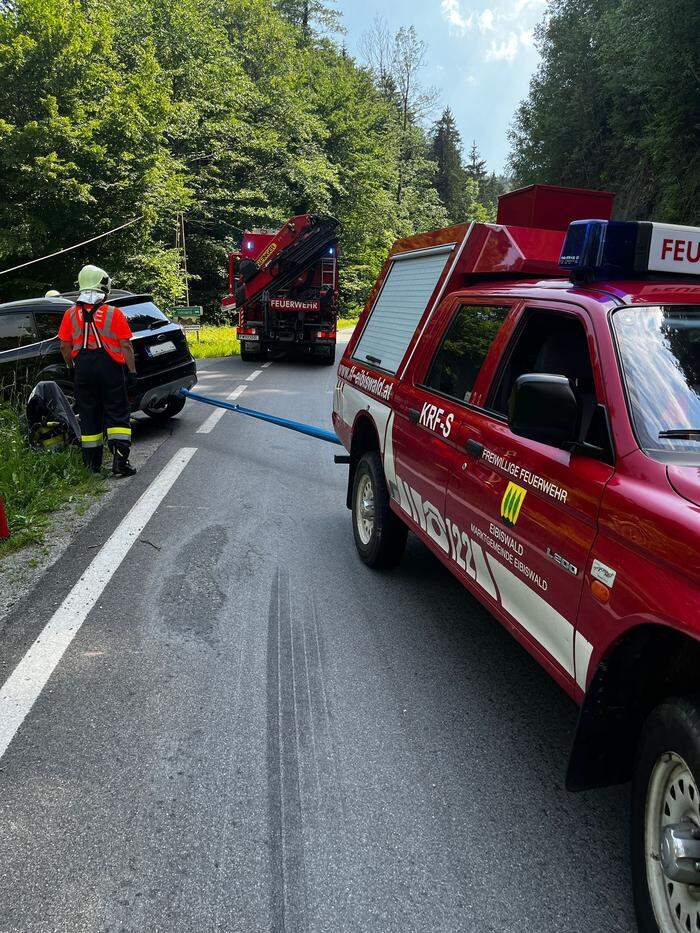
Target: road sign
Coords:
[(193, 311)]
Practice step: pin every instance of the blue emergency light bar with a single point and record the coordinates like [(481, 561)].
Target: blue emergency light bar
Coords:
[(609, 249)]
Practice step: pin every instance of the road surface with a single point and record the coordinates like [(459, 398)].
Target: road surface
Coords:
[(251, 731)]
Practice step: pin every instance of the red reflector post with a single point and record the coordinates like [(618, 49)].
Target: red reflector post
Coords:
[(4, 530)]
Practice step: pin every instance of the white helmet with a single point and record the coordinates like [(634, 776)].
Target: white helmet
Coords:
[(52, 293), (91, 278)]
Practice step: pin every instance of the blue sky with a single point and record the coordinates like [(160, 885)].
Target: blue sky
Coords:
[(480, 58)]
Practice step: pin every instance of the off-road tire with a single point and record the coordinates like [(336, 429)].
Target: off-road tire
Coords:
[(383, 546), (673, 727)]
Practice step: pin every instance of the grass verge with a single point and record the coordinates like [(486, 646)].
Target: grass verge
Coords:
[(221, 341), (35, 483), (346, 322), (213, 341)]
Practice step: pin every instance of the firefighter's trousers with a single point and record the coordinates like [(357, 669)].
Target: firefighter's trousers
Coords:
[(103, 406)]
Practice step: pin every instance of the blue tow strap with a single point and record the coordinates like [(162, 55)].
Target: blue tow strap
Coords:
[(320, 433)]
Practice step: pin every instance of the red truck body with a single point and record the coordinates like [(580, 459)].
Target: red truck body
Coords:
[(587, 550), (283, 288)]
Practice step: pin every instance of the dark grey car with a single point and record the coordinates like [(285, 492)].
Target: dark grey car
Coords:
[(29, 351)]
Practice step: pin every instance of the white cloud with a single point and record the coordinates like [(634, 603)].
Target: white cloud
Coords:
[(486, 20), (504, 51), (452, 13), (510, 24)]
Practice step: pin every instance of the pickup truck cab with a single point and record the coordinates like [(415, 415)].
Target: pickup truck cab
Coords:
[(525, 397)]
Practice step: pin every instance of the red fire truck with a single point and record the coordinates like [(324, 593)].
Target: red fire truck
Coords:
[(283, 287), (525, 397)]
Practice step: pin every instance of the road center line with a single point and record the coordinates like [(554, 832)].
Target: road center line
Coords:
[(211, 422), (258, 372), (29, 678)]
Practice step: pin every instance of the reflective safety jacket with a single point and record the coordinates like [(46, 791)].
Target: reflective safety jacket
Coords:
[(108, 327)]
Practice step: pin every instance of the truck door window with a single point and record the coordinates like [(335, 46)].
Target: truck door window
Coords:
[(556, 343), (550, 342), (16, 330), (463, 349)]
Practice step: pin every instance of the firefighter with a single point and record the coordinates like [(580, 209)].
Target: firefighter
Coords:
[(96, 340)]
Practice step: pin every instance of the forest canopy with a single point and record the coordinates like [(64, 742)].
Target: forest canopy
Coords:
[(222, 115), (233, 114), (615, 104)]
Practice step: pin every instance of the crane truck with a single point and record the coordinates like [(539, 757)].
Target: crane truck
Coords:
[(283, 289)]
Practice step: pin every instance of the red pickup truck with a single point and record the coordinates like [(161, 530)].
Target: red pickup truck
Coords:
[(525, 397)]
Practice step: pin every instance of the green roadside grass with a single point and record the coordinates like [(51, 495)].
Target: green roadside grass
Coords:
[(221, 341), (213, 341), (35, 483)]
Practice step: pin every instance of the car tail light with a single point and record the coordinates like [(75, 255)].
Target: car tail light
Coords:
[(245, 331), (325, 334)]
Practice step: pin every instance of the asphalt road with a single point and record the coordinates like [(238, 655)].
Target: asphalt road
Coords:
[(252, 731)]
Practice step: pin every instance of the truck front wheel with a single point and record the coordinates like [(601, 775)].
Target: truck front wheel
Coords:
[(380, 537), (665, 830)]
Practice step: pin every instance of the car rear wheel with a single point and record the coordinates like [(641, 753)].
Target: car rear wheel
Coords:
[(166, 409), (666, 820), (380, 537)]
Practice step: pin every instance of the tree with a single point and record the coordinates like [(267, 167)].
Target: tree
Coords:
[(307, 14), (445, 152), (82, 150), (615, 104), (476, 166)]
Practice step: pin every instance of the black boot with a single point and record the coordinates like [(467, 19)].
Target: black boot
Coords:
[(120, 464), (92, 458)]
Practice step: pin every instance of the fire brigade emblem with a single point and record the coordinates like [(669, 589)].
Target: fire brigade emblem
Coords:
[(511, 503)]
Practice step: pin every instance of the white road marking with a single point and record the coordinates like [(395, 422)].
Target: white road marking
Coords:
[(211, 422), (29, 678), (258, 372), (265, 365)]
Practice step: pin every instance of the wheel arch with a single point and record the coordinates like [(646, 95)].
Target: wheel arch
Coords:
[(650, 662), (364, 437)]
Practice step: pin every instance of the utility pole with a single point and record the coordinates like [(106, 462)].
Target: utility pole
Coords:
[(181, 246)]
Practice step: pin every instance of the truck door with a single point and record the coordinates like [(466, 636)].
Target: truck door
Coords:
[(426, 427), (528, 510)]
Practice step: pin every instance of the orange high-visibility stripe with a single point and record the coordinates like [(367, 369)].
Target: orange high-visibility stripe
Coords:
[(103, 320)]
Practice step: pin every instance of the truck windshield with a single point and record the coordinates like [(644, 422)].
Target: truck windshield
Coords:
[(660, 351)]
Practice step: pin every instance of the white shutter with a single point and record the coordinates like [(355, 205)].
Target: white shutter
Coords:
[(399, 307)]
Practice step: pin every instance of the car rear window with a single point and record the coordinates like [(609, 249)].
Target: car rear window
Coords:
[(144, 315)]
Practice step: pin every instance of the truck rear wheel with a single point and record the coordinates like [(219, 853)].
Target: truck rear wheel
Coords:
[(380, 537), (665, 830), (250, 356), (327, 358)]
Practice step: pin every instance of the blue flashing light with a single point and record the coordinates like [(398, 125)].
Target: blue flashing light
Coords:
[(606, 248), (249, 244), (331, 251)]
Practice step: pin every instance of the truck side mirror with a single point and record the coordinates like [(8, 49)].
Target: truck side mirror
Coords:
[(543, 408)]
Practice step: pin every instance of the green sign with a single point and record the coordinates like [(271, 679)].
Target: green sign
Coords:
[(195, 311)]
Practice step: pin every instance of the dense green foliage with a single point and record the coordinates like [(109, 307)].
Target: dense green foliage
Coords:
[(237, 113), (616, 104)]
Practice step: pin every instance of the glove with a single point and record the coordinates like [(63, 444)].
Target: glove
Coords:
[(131, 381)]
